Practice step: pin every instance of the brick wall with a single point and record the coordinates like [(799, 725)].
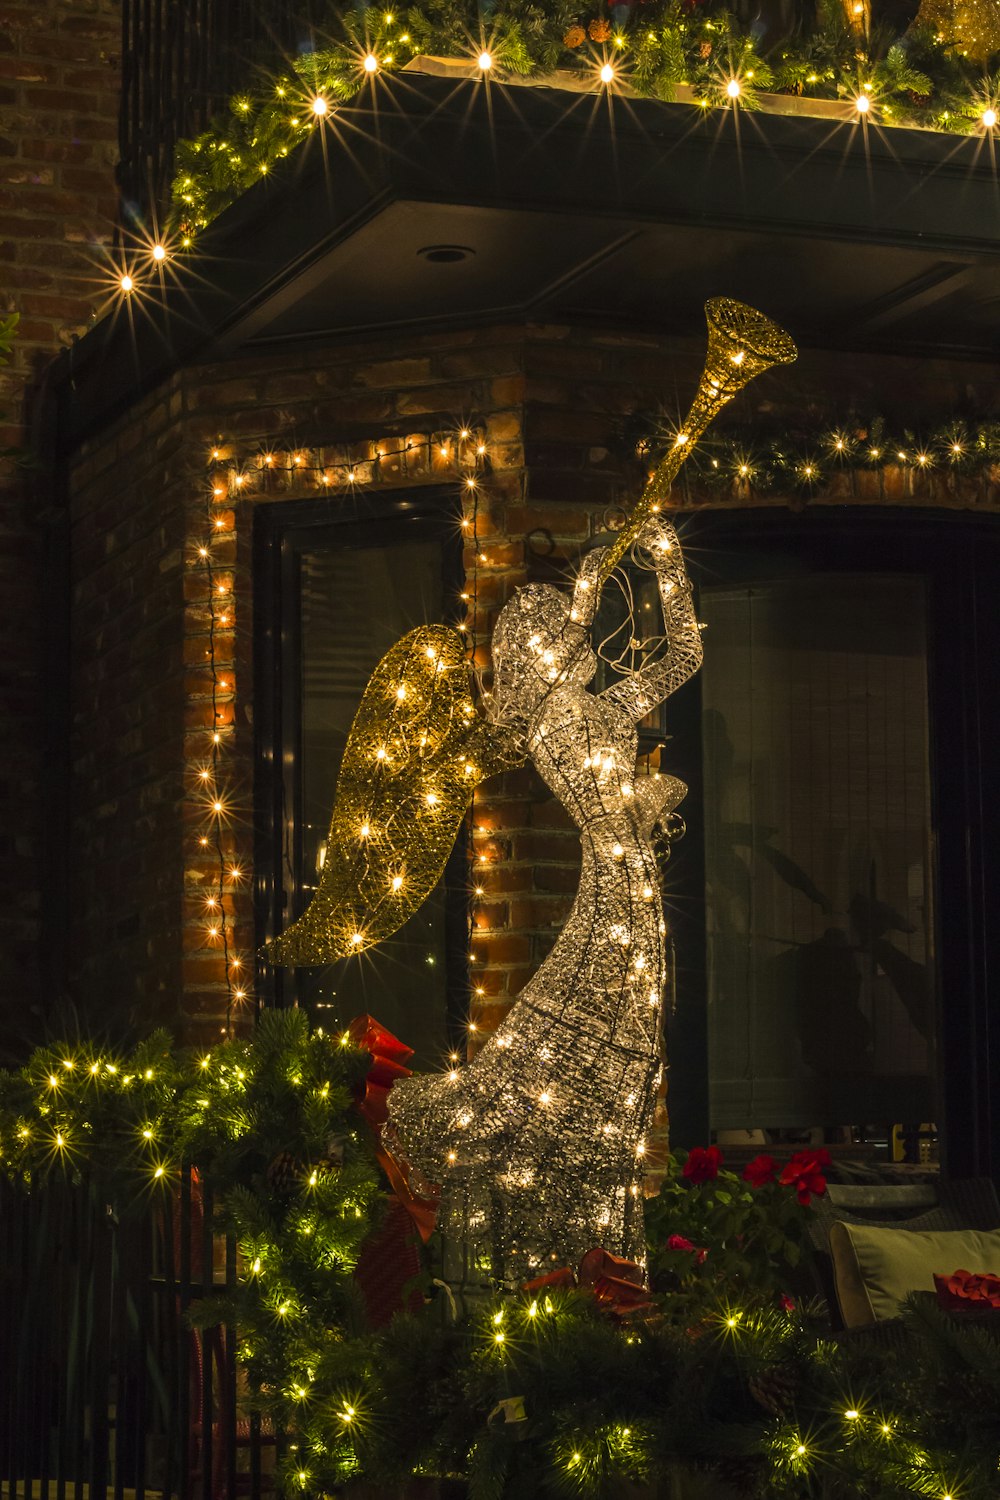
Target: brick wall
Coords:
[(148, 496), (58, 130)]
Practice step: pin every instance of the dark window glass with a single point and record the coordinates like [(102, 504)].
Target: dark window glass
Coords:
[(818, 855), (346, 594)]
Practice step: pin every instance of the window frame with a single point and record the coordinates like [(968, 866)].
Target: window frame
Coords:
[(957, 557), (282, 531)]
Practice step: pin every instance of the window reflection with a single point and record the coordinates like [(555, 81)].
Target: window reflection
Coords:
[(817, 849)]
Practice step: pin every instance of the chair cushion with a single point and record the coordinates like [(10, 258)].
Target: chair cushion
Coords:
[(875, 1268)]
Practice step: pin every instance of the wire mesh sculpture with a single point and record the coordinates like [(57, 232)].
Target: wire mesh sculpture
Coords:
[(537, 1146)]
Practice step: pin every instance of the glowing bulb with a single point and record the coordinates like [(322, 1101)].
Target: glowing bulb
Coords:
[(371, 63), (733, 88), (607, 74), (862, 104), (989, 118), (397, 881), (159, 253), (545, 1097), (319, 106), (484, 61), (800, 1450), (852, 1415), (126, 283), (355, 939)]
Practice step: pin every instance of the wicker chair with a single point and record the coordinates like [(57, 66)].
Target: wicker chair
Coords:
[(970, 1203)]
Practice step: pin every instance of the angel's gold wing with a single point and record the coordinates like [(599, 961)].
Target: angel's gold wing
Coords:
[(417, 750)]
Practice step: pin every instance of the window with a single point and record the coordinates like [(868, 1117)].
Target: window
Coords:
[(832, 905), (819, 908), (339, 593)]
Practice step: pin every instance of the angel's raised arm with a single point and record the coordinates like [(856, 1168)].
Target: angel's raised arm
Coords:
[(640, 692)]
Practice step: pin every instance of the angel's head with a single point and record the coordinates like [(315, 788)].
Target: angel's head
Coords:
[(542, 639)]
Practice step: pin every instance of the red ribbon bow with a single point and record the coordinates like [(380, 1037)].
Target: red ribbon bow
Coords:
[(615, 1283), (966, 1290), (388, 1066)]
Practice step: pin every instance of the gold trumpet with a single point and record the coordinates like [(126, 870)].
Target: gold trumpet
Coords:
[(742, 343)]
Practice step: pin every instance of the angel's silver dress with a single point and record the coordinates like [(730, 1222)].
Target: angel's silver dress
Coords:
[(538, 1145)]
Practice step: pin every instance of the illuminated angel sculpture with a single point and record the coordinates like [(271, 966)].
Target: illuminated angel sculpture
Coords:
[(537, 1145)]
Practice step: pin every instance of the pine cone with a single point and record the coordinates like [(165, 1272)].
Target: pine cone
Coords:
[(283, 1172), (774, 1388)]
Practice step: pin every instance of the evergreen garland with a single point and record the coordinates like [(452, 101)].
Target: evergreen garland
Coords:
[(539, 1394), (921, 78), (955, 459), (269, 1124)]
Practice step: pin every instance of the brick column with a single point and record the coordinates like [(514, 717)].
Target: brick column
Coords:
[(59, 78)]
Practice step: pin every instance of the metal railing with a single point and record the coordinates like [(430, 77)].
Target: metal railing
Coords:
[(105, 1389), (181, 61)]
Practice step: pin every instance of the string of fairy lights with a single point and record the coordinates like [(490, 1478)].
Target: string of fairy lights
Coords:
[(236, 480), (264, 130)]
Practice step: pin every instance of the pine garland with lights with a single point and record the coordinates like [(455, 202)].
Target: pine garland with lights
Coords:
[(923, 78), (542, 1393), (238, 1111), (956, 458)]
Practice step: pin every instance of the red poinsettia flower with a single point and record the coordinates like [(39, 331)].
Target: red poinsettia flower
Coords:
[(805, 1173), (703, 1164), (762, 1170), (678, 1242)]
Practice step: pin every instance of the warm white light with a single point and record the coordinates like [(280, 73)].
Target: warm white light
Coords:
[(607, 73), (989, 118), (397, 881), (733, 88), (371, 63), (319, 105), (159, 253), (126, 283), (484, 61), (862, 104)]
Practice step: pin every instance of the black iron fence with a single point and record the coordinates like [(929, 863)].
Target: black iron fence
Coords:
[(105, 1389), (181, 61)]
